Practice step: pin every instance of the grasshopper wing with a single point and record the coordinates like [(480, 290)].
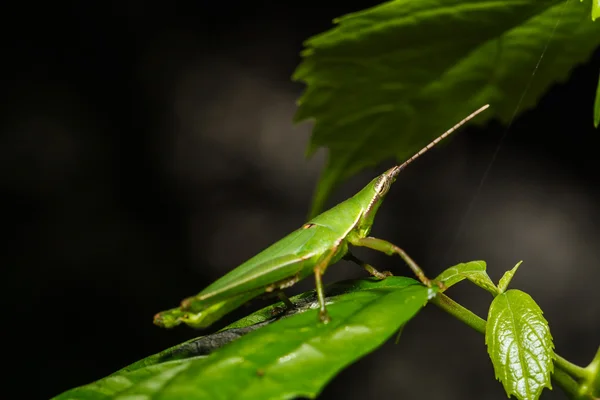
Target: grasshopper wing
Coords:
[(280, 271), (280, 265)]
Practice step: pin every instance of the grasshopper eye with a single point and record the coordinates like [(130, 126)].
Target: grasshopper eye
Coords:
[(382, 185)]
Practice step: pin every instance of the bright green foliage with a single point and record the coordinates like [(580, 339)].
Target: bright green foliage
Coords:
[(597, 103), (293, 356), (473, 271), (519, 344), (595, 9), (387, 80), (507, 277)]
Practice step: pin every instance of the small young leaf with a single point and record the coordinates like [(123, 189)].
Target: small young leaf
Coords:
[(292, 357), (597, 102), (473, 270), (507, 277), (451, 276), (519, 344), (482, 280)]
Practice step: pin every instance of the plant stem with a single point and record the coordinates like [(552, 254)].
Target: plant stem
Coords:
[(459, 312), (566, 383), (565, 370), (572, 369), (594, 370)]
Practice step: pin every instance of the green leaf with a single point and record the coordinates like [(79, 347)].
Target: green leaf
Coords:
[(595, 9), (597, 102), (457, 273), (519, 344), (199, 346), (387, 80), (473, 270), (117, 386), (483, 281), (507, 277), (294, 356)]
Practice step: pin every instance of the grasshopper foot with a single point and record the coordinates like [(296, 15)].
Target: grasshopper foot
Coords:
[(424, 280), (441, 285), (381, 275), (278, 310), (324, 316), (429, 283)]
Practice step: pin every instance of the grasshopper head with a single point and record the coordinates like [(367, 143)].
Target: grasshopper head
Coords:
[(371, 197)]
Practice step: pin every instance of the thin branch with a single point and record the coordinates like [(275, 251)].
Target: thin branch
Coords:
[(566, 383), (572, 369), (564, 370)]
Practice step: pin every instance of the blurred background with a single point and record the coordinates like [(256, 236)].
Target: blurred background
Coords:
[(147, 149)]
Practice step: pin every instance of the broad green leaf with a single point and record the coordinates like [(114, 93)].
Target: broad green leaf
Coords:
[(293, 356), (200, 346), (595, 9), (519, 344), (473, 270), (387, 80), (597, 103), (114, 385), (507, 277)]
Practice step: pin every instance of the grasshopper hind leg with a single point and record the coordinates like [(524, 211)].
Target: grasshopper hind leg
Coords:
[(286, 300), (287, 304)]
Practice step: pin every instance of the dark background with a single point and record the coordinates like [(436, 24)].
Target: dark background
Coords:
[(147, 149)]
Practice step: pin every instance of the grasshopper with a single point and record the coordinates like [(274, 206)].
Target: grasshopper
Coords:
[(319, 243)]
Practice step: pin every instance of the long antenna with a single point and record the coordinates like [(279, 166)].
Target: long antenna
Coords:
[(400, 167)]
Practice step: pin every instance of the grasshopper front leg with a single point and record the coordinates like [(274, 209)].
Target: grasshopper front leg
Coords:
[(368, 267), (390, 249)]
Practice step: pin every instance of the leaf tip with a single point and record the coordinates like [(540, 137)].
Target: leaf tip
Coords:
[(507, 277)]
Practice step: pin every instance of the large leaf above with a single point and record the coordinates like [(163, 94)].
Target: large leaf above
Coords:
[(292, 357), (387, 80)]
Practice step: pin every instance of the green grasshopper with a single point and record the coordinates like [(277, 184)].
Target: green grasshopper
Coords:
[(312, 248)]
